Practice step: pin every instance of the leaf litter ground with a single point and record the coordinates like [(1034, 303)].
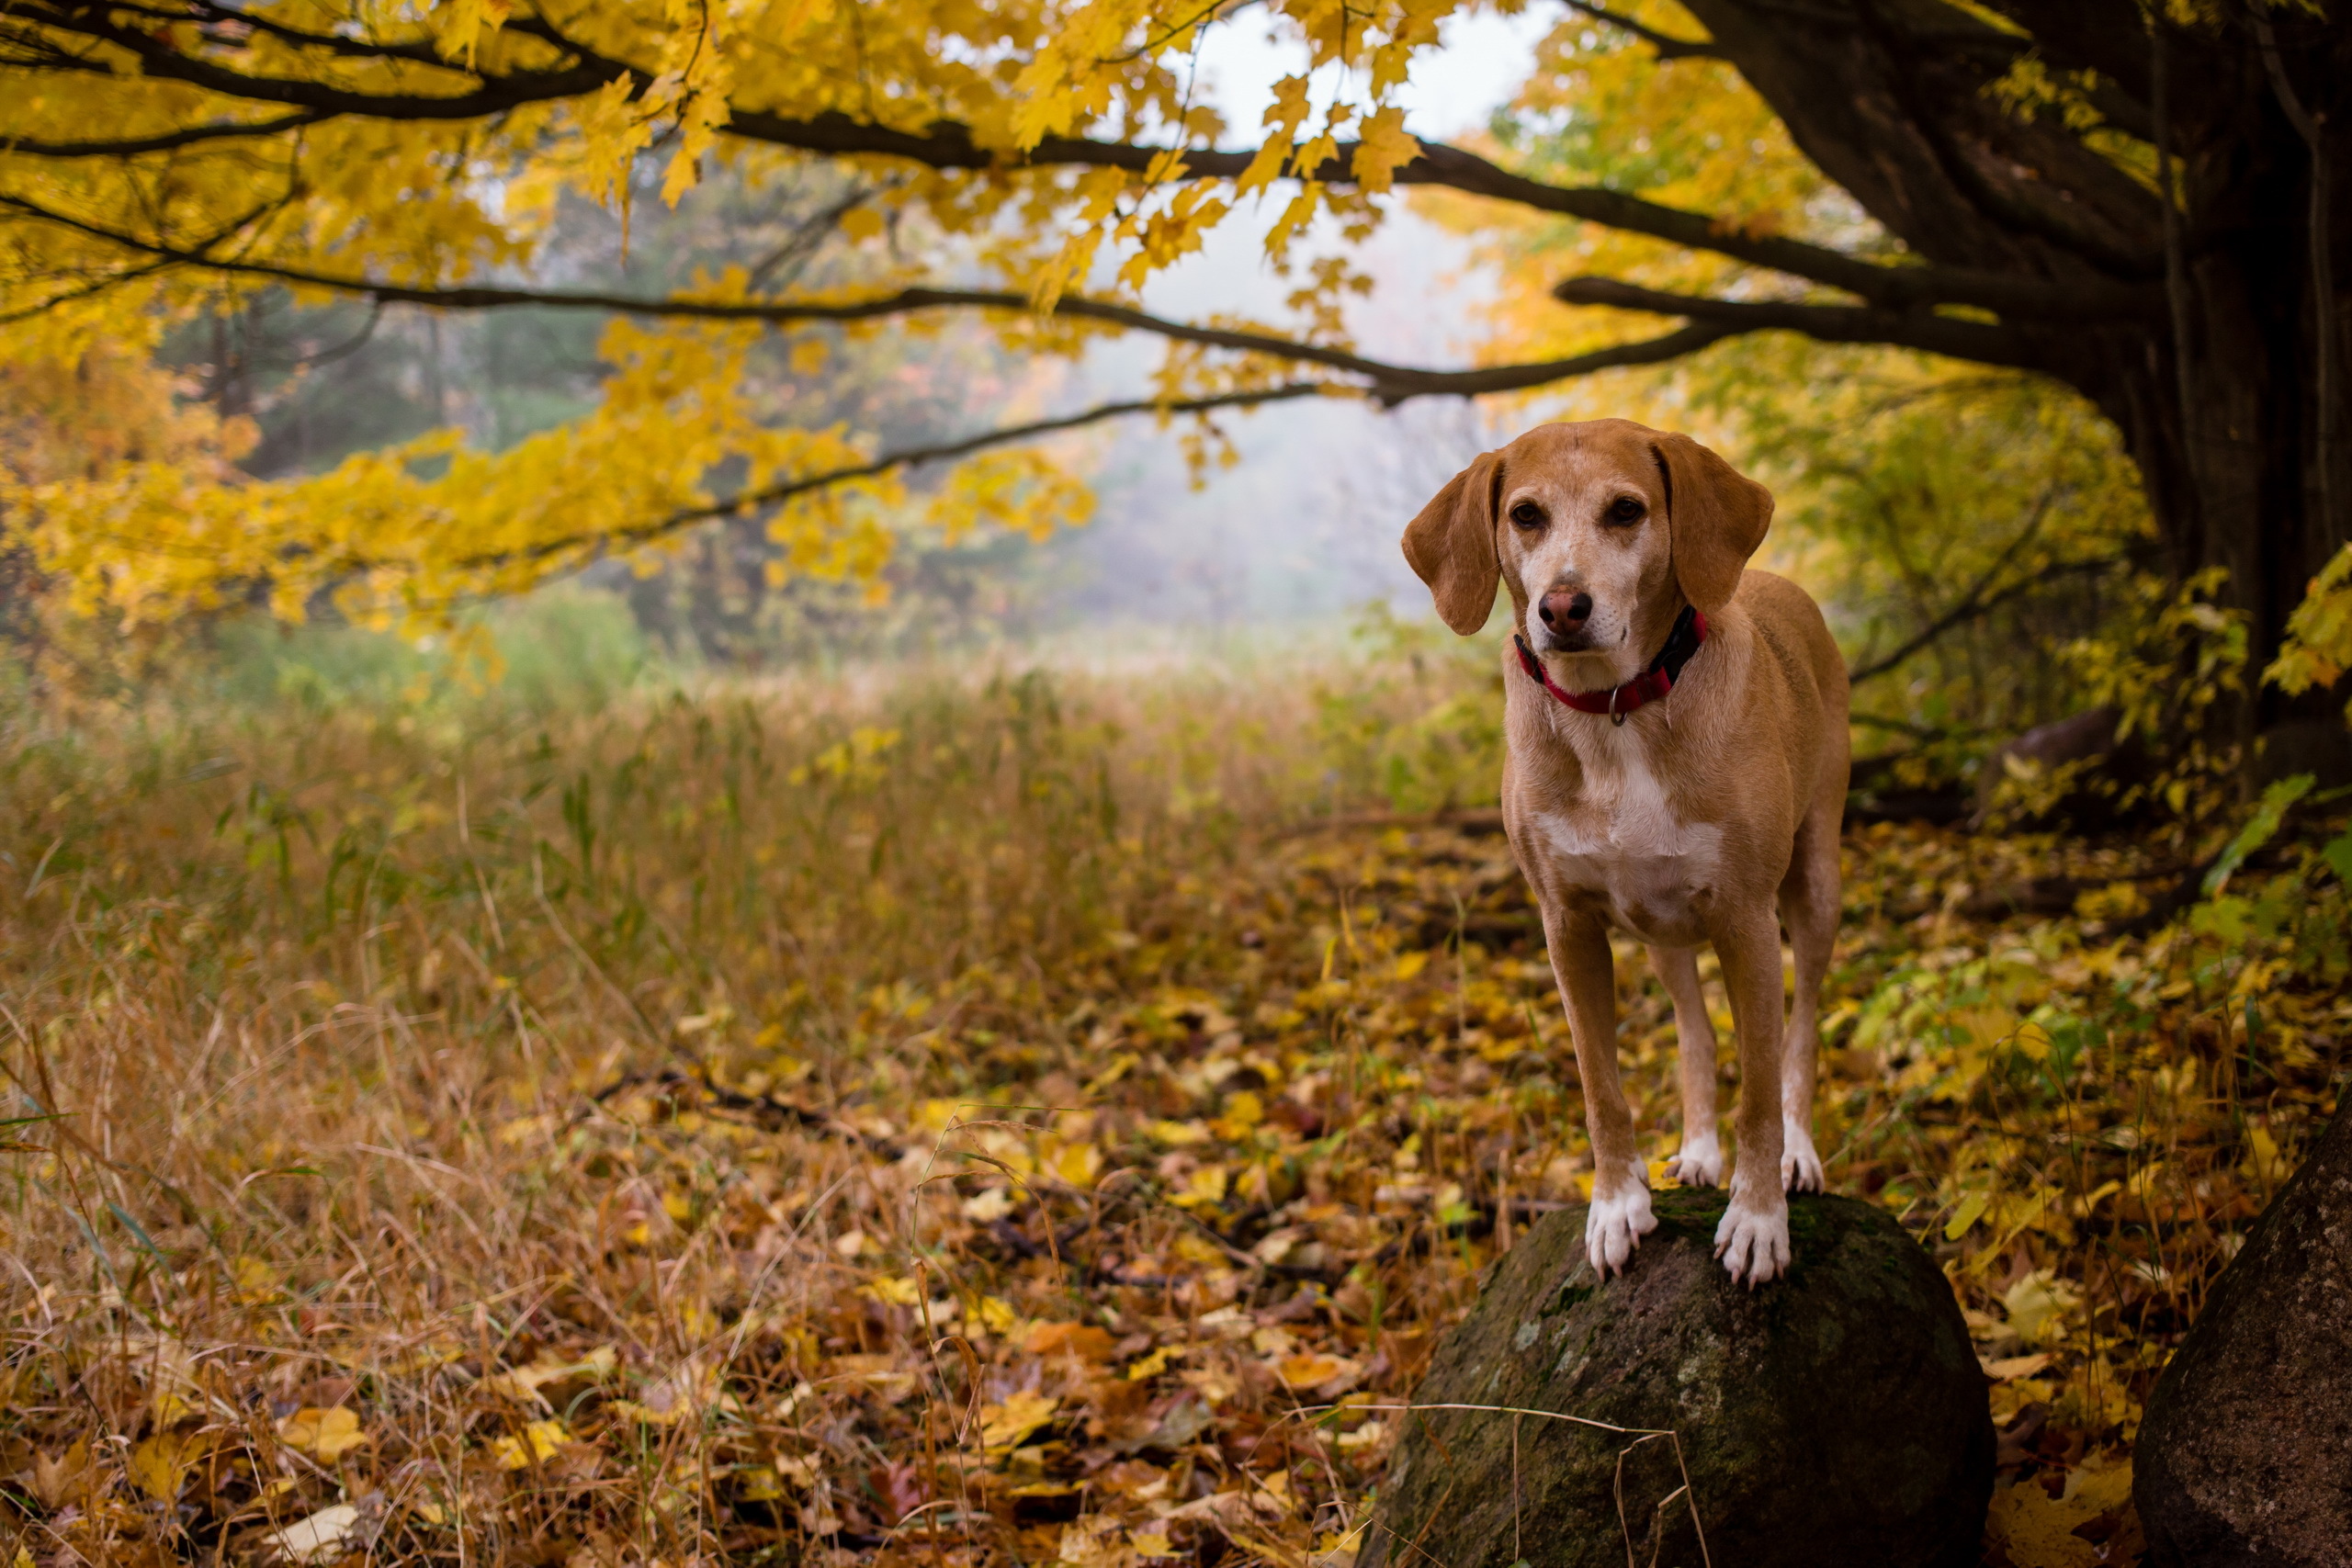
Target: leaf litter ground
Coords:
[(1018, 1123)]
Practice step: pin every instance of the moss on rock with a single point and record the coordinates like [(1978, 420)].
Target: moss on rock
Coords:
[(1837, 1416)]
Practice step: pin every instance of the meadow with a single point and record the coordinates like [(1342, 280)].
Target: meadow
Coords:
[(986, 1113)]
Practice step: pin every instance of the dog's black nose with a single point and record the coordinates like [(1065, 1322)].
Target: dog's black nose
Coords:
[(1562, 609)]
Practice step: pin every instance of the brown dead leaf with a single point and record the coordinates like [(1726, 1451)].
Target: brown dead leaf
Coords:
[(66, 1479), (318, 1539), (1082, 1340), (2010, 1367)]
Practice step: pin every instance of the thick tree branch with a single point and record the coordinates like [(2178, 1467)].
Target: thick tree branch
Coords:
[(165, 141), (490, 95), (1986, 343), (1667, 46), (1388, 383), (946, 145), (2011, 209)]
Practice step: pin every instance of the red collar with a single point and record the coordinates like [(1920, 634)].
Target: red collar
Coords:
[(1650, 685)]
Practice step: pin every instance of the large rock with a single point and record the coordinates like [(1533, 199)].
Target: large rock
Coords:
[(2245, 1455), (1836, 1416)]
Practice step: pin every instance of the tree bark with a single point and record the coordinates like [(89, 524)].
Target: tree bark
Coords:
[(2221, 406)]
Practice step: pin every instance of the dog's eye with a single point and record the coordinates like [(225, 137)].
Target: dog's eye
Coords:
[(1527, 514), (1627, 509)]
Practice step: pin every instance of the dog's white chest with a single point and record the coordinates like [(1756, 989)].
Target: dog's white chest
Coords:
[(1622, 842)]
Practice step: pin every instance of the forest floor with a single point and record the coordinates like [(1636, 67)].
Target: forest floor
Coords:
[(988, 1121)]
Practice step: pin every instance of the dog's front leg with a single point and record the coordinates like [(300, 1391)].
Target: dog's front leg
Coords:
[(1753, 1239), (1620, 1215)]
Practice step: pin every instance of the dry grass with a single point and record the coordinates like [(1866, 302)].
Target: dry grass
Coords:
[(962, 1121)]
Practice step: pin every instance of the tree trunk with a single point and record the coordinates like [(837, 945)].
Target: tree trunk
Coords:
[(2236, 477), (2228, 399)]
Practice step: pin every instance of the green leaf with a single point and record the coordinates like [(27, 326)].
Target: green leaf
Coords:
[(2337, 853), (2259, 828)]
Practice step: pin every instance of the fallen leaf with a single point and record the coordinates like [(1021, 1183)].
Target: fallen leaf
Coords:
[(2038, 1530), (159, 1465), (63, 1480), (324, 1435), (1315, 1371), (1972, 1209), (2009, 1367), (318, 1538), (1083, 1340), (2038, 1305), (1277, 1245), (1003, 1426), (899, 1289), (524, 1384), (1184, 1421), (988, 1206), (899, 1486), (1080, 1165), (538, 1445), (1097, 1540)]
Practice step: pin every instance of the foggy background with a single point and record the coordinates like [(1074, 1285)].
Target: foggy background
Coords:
[(1301, 531)]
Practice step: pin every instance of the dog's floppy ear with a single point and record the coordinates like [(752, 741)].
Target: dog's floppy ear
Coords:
[(1717, 516), (1451, 545)]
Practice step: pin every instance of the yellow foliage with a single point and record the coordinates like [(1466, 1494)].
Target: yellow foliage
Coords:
[(125, 487), (539, 1443), (324, 1435), (2318, 647), (1004, 1425)]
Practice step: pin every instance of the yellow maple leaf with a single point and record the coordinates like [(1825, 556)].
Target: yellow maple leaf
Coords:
[(1003, 1426), (324, 1435), (161, 1464), (2038, 1530)]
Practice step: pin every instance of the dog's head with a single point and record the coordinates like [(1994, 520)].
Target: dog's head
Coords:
[(1601, 531)]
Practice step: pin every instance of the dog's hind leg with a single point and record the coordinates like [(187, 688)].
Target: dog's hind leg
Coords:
[(1809, 898), (1700, 1161)]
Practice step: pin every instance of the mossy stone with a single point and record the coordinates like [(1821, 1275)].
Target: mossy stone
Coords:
[(1835, 1416)]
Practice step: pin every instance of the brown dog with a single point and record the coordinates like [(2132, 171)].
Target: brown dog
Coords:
[(1710, 814)]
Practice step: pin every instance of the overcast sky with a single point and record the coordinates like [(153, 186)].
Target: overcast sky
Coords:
[(1482, 59), (1306, 526)]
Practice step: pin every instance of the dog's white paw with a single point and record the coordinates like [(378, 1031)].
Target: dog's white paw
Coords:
[(1754, 1242), (1800, 1161), (1614, 1226), (1700, 1163)]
